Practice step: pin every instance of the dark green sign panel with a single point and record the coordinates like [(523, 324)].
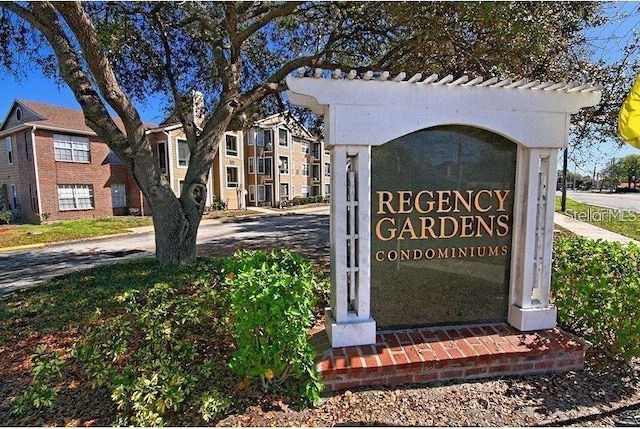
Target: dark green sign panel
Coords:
[(441, 225)]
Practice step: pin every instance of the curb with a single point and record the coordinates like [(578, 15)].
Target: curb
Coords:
[(24, 246)]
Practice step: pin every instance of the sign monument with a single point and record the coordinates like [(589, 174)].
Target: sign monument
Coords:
[(442, 198)]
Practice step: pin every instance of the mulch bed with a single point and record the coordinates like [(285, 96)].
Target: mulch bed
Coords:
[(593, 397)]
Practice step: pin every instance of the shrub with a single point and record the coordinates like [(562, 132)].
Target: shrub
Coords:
[(597, 292), (47, 369), (272, 297), (5, 216), (148, 356)]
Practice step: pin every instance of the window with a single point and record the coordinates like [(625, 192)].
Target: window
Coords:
[(261, 193), (252, 192), (252, 165), (305, 191), (71, 148), (162, 157), (304, 146), (19, 114), (27, 143), (264, 166), (9, 150), (14, 196), (327, 189), (263, 139), (74, 197), (283, 137), (284, 192), (315, 172), (305, 169), (232, 177), (232, 145), (327, 169), (183, 153), (114, 159), (316, 150), (283, 162), (118, 195)]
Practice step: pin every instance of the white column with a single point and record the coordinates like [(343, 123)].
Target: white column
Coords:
[(348, 321), (532, 240)]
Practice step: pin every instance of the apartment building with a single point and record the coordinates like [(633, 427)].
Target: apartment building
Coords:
[(226, 181), (54, 167), (284, 161)]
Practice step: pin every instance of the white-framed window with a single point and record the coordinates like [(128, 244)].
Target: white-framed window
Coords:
[(9, 150), (252, 192), (304, 147), (327, 189), (163, 158), (283, 162), (71, 148), (118, 195), (75, 197), (305, 169), (316, 150), (284, 192), (252, 165), (264, 166), (232, 177), (183, 153), (305, 191), (19, 114), (283, 137), (231, 142), (327, 169), (262, 195), (327, 152), (264, 139)]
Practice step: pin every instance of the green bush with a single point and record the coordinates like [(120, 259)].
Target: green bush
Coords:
[(5, 216), (46, 370), (150, 355), (272, 297), (597, 291)]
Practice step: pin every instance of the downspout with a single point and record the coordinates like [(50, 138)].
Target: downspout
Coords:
[(35, 166)]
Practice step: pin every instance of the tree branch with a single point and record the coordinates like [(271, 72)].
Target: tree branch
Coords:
[(81, 25)]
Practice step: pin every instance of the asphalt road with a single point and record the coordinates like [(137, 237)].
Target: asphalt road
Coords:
[(630, 201), (306, 233)]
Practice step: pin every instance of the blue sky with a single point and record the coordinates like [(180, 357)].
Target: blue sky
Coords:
[(609, 42)]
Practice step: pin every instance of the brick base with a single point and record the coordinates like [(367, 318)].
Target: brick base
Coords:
[(448, 353)]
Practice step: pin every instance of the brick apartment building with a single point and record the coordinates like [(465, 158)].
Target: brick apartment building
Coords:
[(54, 167)]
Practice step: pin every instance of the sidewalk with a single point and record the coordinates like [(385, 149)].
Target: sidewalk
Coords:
[(589, 230)]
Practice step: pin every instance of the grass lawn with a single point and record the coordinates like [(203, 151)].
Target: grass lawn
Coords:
[(620, 222), (19, 235)]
